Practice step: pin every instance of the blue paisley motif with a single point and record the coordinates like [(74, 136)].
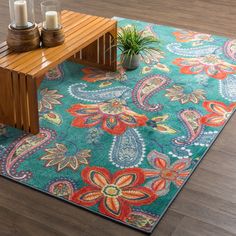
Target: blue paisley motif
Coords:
[(127, 150), (78, 91), (227, 88), (200, 51)]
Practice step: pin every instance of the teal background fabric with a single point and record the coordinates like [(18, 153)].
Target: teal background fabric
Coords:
[(123, 144)]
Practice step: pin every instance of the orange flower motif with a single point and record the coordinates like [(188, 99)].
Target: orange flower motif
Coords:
[(184, 36), (219, 113), (212, 65), (114, 116), (115, 193), (165, 173)]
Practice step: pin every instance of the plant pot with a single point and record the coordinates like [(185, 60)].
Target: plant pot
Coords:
[(130, 62)]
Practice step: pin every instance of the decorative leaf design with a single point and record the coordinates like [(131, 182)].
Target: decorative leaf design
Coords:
[(162, 67), (53, 118), (155, 122), (160, 118), (165, 129)]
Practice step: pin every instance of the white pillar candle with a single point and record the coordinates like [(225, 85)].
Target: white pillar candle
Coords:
[(51, 20), (21, 15)]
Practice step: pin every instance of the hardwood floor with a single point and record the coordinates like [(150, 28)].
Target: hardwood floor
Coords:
[(206, 205)]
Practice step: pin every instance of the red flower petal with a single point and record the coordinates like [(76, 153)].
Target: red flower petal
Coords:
[(77, 107), (119, 129), (129, 177), (139, 196), (113, 204), (87, 196), (160, 163), (216, 107), (181, 165), (232, 106), (114, 207), (213, 120), (217, 73), (158, 185), (89, 118), (218, 111), (82, 122), (178, 61), (184, 173), (179, 182), (141, 120), (189, 70), (96, 176), (151, 173)]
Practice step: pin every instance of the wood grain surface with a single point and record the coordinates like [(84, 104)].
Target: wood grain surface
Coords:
[(82, 32), (207, 204)]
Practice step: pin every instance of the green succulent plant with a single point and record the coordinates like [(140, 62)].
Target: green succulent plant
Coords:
[(131, 41)]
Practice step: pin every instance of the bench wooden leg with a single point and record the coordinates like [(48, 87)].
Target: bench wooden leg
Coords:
[(6, 98), (101, 53), (18, 101)]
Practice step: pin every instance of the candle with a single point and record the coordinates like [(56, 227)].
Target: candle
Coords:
[(51, 20), (21, 15)]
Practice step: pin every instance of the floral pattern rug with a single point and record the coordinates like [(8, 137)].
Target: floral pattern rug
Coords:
[(123, 144)]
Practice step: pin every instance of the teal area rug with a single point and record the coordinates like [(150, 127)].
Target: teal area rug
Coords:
[(123, 144)]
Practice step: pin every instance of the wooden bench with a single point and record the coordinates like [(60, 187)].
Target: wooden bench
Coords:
[(89, 40)]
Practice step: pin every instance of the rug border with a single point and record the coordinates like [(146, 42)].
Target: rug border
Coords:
[(193, 170), (115, 220), (160, 217)]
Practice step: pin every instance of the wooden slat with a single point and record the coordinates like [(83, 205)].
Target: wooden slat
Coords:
[(23, 102), (32, 105), (92, 64), (89, 53), (3, 44), (72, 44), (4, 54), (107, 50), (72, 48), (22, 61), (39, 80), (6, 104), (101, 50), (3, 49), (114, 48), (16, 95), (9, 57), (98, 60), (46, 54), (23, 72)]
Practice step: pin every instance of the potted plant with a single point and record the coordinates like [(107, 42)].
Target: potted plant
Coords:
[(133, 44)]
